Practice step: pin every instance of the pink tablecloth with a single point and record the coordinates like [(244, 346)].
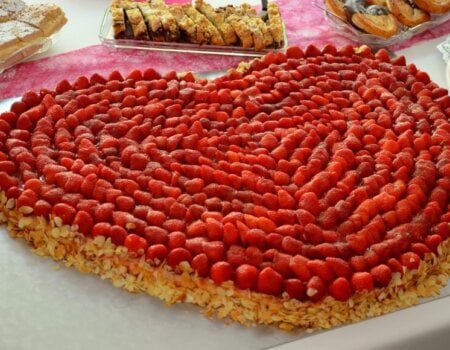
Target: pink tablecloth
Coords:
[(305, 24)]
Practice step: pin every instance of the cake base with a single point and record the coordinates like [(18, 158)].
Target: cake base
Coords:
[(103, 258)]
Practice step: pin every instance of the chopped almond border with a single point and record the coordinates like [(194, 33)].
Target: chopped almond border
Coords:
[(103, 258)]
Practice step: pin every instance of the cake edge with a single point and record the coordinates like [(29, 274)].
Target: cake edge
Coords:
[(101, 257)]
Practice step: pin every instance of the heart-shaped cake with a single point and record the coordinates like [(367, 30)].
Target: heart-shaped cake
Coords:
[(303, 189)]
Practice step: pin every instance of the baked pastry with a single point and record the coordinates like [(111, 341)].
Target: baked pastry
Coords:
[(373, 19), (4, 15), (137, 23), (207, 33), (12, 6), (218, 18), (118, 17), (204, 24), (337, 8), (168, 21), (434, 6), (48, 18), (242, 30), (9, 43), (275, 24), (407, 12), (23, 28), (309, 205), (187, 27)]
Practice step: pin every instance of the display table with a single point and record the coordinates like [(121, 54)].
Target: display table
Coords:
[(46, 306)]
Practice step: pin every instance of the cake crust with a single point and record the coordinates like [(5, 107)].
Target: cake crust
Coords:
[(101, 257)]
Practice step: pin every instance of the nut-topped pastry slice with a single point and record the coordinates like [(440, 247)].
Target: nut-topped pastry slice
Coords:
[(153, 21), (275, 24), (218, 18), (242, 30), (118, 17), (168, 21), (207, 33), (137, 24), (187, 27)]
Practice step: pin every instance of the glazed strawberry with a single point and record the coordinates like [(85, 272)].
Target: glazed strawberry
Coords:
[(156, 254), (382, 275), (246, 276), (65, 212), (214, 250), (340, 267), (340, 289), (295, 288), (315, 288), (362, 281), (177, 255), (84, 221), (299, 266), (270, 282), (201, 265), (118, 234), (410, 260), (221, 272), (320, 268), (101, 229), (136, 245)]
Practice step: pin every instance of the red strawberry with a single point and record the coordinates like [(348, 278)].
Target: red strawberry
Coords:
[(295, 288), (214, 250), (315, 288), (433, 242), (156, 254), (125, 203), (42, 208), (118, 234), (340, 289), (221, 272), (362, 281), (136, 245), (196, 229), (65, 212), (320, 268), (339, 266), (270, 282), (200, 264), (7, 181), (410, 260), (420, 249), (299, 266), (84, 222), (382, 275), (177, 255), (27, 198), (246, 276), (101, 229)]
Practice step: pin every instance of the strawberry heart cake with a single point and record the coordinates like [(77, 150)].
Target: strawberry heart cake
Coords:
[(304, 189)]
